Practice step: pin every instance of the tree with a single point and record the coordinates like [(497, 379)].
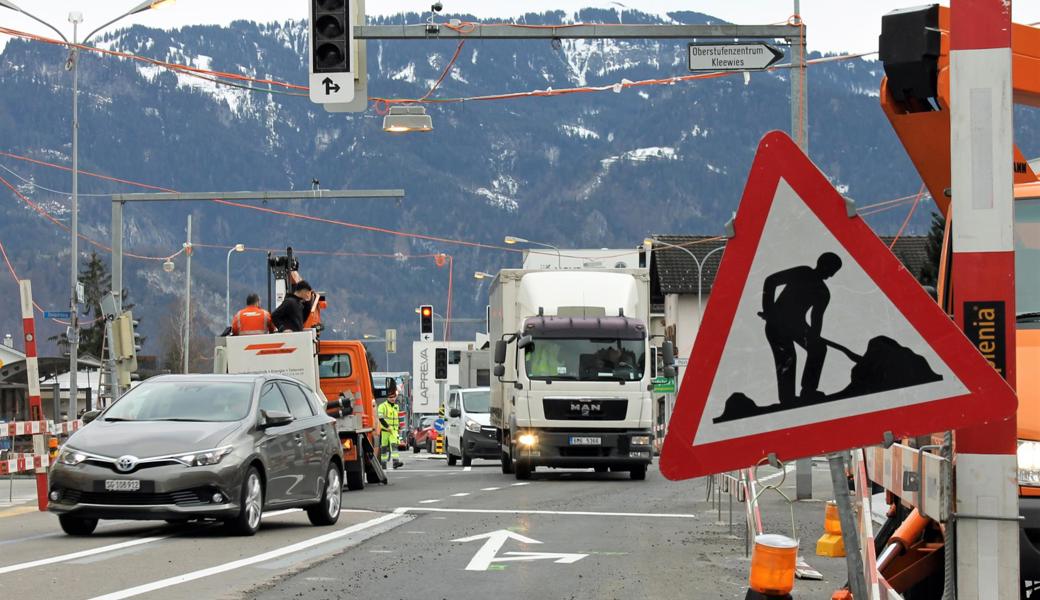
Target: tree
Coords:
[(171, 346), (97, 282), (929, 275)]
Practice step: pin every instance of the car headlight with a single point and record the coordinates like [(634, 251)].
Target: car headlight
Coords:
[(205, 457), (1029, 463), (71, 457), (472, 426)]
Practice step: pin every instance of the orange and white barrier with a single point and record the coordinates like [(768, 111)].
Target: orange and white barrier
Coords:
[(17, 428), (64, 428), (877, 587), (925, 474)]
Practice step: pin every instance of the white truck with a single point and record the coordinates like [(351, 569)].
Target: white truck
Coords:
[(572, 375)]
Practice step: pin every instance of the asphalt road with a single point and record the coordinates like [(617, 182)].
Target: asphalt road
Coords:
[(434, 532)]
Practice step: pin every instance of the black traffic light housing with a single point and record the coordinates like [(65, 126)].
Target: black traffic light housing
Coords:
[(426, 322), (330, 50), (440, 364)]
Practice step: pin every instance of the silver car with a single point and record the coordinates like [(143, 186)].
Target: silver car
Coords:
[(182, 447)]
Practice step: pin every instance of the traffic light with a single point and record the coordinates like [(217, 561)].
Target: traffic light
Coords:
[(426, 323), (126, 343), (332, 42), (440, 364)]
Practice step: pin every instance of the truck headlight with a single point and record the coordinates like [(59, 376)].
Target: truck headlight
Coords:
[(472, 425), (640, 440), (528, 439), (206, 457), (1029, 463)]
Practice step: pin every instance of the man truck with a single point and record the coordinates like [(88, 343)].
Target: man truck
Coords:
[(572, 369)]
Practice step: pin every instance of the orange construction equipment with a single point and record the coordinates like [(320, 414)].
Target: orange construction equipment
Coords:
[(773, 561), (831, 544)]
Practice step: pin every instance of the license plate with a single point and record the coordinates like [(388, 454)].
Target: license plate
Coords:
[(586, 441), (122, 485)]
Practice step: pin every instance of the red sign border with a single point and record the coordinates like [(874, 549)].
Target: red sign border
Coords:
[(989, 398)]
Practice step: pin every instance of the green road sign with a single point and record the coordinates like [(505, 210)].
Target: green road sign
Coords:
[(664, 385)]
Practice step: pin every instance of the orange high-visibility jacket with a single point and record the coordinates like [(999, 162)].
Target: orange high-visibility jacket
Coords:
[(252, 320)]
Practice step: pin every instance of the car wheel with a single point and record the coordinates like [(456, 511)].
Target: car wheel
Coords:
[(415, 447), (452, 460), (467, 460), (248, 520), (602, 469), (326, 511), (77, 525), (429, 446), (638, 473)]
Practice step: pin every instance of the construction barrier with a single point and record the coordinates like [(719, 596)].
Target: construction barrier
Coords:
[(877, 587), (20, 463), (920, 479)]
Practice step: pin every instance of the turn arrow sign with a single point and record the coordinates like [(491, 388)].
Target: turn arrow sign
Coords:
[(488, 553)]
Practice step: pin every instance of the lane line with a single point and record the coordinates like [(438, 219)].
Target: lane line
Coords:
[(406, 509), (430, 501), (467, 468), (82, 553), (490, 489), (521, 483), (460, 495), (18, 510), (245, 562)]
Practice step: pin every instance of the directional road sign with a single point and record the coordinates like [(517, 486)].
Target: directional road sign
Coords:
[(57, 314), (494, 540), (438, 425), (752, 56), (817, 338)]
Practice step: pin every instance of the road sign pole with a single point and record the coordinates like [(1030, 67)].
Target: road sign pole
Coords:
[(849, 529), (987, 532)]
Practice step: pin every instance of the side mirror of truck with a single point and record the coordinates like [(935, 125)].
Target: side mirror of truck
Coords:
[(669, 371), (668, 353), (454, 413), (500, 353), (524, 342), (500, 370)]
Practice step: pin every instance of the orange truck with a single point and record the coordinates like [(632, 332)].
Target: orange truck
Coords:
[(915, 96)]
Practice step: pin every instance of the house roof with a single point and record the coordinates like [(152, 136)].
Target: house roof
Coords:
[(674, 271)]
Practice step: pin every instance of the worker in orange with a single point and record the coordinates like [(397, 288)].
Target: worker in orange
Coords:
[(252, 320)]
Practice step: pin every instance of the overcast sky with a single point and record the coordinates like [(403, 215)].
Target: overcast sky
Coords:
[(832, 25)]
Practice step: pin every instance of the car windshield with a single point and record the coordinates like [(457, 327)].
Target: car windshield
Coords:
[(183, 401), (585, 359), (427, 422), (1027, 256), (477, 402)]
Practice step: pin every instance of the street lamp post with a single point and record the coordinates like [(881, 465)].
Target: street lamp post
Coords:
[(72, 64), (227, 293), (483, 275), (519, 240), (187, 300), (386, 347)]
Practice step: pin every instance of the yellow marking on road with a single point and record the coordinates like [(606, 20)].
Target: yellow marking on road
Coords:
[(18, 510)]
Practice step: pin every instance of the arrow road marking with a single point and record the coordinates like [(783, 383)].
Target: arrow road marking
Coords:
[(488, 553)]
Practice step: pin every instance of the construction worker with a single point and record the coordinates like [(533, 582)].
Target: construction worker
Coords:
[(389, 424), (293, 312), (252, 320)]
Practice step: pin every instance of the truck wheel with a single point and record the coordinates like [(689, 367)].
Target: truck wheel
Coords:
[(507, 464), (356, 480), (638, 473), (523, 470), (467, 460)]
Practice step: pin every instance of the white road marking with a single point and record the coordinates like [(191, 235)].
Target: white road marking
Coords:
[(488, 553), (490, 489), (406, 509), (381, 551), (80, 554), (467, 468), (521, 483), (114, 547), (460, 495), (430, 501), (245, 562)]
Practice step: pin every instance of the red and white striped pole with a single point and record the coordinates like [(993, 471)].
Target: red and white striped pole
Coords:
[(983, 280), (32, 377)]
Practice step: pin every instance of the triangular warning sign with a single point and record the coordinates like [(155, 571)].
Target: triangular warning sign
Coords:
[(816, 338)]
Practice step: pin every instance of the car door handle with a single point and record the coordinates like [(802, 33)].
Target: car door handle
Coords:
[(324, 434), (299, 439)]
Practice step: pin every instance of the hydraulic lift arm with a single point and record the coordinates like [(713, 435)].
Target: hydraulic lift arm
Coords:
[(914, 48)]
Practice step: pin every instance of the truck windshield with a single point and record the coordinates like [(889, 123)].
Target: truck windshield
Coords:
[(1027, 257), (477, 402), (585, 359)]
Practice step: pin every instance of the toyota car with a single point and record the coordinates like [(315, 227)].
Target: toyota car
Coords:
[(184, 447)]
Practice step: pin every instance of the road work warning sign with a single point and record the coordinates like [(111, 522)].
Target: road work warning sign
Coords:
[(816, 337)]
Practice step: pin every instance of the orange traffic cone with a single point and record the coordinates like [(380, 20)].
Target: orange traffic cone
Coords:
[(831, 544)]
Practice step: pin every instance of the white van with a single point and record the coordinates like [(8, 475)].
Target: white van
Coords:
[(467, 426)]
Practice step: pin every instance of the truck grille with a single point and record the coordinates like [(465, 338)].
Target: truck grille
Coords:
[(585, 409)]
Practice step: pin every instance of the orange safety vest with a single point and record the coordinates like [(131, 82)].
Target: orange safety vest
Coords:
[(252, 320)]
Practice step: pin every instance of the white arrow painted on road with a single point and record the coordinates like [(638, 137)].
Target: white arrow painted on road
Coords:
[(488, 553)]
